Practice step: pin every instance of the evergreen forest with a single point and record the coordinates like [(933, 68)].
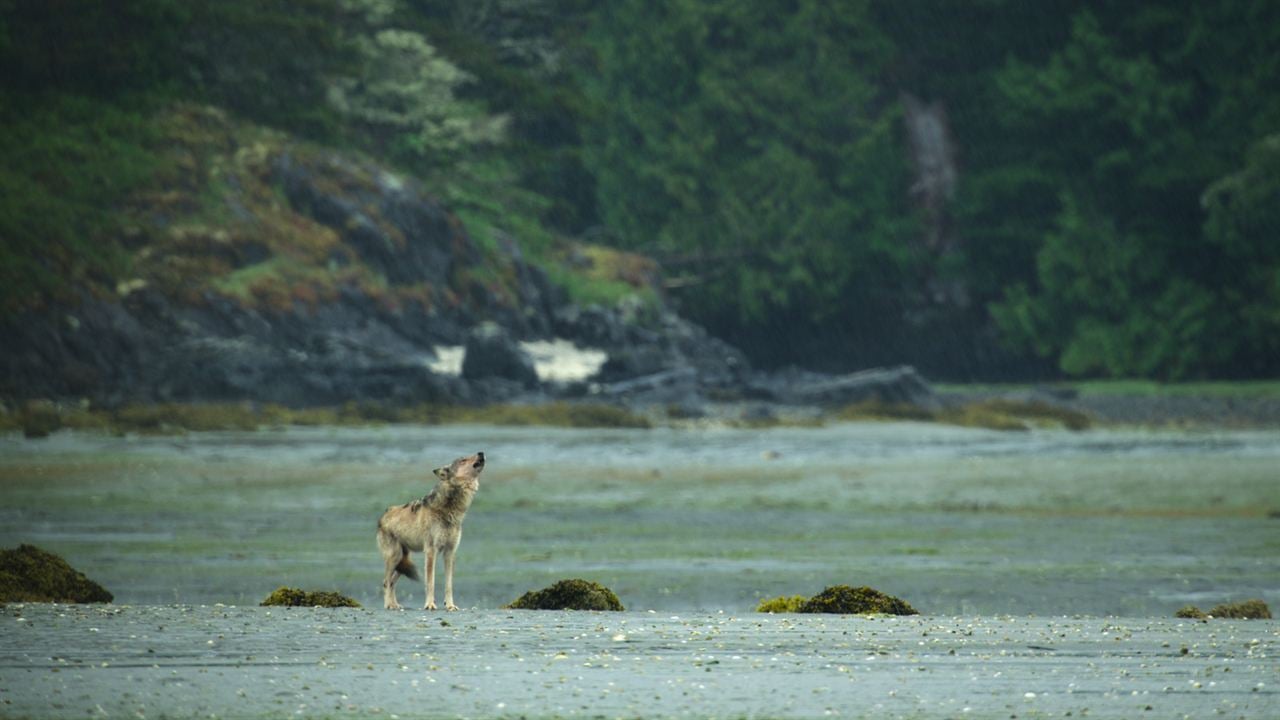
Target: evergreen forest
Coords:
[(986, 189)]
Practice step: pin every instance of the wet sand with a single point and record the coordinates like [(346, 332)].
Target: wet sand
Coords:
[(216, 661)]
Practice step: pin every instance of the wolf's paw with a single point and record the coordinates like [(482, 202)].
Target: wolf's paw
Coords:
[(429, 606), (393, 606), (451, 607)]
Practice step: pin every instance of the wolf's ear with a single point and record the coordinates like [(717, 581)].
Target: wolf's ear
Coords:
[(442, 472)]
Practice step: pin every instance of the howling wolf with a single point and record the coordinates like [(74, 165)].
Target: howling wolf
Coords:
[(432, 525)]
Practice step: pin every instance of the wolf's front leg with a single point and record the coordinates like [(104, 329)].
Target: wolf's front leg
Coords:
[(430, 580), (448, 580)]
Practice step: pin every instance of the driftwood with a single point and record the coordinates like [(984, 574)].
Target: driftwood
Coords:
[(648, 383), (897, 385)]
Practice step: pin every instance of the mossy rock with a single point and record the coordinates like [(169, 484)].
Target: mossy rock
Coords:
[(782, 604), (29, 574), (294, 597), (39, 419), (569, 595), (846, 600), (1244, 610)]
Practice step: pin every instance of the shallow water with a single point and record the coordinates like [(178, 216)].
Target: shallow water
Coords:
[(956, 521)]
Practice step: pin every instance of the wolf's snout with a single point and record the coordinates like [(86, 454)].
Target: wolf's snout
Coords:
[(479, 460)]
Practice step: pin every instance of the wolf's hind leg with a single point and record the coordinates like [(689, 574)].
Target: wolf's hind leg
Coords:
[(392, 555)]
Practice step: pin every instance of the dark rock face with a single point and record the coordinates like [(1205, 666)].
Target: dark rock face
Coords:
[(148, 348), (491, 353), (662, 358), (390, 223)]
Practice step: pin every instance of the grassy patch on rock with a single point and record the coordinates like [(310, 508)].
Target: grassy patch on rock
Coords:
[(602, 275), (29, 574), (572, 594), (294, 597)]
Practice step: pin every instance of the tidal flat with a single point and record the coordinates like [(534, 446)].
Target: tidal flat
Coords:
[(1094, 538), (217, 661)]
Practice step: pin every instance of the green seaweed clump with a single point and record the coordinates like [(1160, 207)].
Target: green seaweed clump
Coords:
[(1244, 610), (29, 574), (569, 595), (846, 600), (782, 604), (877, 409), (994, 414), (294, 597)]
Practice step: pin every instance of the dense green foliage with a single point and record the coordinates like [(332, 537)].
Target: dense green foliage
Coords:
[(750, 146), (1100, 199), (60, 191), (1131, 123)]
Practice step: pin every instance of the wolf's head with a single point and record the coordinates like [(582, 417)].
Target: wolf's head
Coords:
[(463, 471)]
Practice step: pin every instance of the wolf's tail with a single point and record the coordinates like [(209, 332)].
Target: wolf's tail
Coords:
[(406, 567), (391, 548)]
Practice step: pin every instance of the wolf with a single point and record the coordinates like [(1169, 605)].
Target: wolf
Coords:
[(433, 526)]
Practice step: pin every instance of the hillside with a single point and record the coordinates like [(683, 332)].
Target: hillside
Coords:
[(258, 266), (995, 192)]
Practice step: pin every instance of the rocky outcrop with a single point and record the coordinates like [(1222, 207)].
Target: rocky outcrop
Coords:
[(660, 357), (302, 277)]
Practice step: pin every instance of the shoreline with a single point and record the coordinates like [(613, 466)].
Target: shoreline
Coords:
[(1018, 409)]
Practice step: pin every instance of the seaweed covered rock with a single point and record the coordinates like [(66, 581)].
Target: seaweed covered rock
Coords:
[(294, 597), (29, 574), (1254, 609), (843, 599), (569, 595), (782, 604)]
